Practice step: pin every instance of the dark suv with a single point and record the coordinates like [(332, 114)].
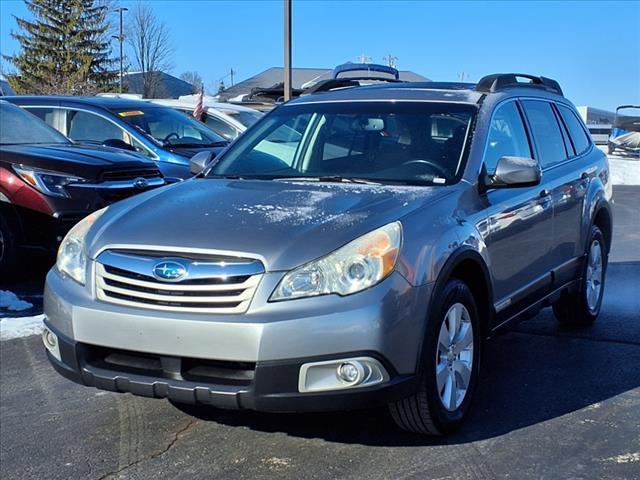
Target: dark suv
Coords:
[(354, 247), (47, 183), (162, 134)]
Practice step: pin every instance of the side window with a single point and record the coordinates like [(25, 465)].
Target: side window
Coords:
[(221, 128), (507, 136), (44, 113), (88, 127), (579, 137), (546, 132)]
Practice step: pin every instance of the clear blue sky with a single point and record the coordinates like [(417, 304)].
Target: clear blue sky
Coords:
[(591, 47)]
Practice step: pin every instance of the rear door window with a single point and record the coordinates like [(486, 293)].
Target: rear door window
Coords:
[(220, 127), (546, 132), (507, 137), (578, 136), (88, 127)]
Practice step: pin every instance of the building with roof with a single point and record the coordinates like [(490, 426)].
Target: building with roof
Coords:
[(301, 77)]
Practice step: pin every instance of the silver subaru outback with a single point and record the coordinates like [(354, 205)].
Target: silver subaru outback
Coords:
[(353, 248)]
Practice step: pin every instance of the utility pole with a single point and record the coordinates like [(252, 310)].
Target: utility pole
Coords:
[(232, 73), (463, 76), (287, 50), (120, 38)]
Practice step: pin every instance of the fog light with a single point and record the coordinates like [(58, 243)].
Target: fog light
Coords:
[(50, 341), (350, 373), (341, 374)]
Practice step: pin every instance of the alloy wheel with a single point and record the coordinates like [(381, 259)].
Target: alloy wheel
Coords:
[(593, 284), (454, 360)]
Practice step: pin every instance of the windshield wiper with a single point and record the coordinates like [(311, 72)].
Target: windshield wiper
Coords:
[(329, 179)]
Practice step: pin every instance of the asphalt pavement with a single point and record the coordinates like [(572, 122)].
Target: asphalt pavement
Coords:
[(553, 403)]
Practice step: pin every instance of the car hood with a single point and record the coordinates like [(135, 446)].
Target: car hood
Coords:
[(80, 160), (283, 223)]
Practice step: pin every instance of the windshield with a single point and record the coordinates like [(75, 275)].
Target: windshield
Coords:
[(405, 143), (19, 127), (170, 127), (245, 118)]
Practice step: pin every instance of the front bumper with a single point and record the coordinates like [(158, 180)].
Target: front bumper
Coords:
[(273, 387), (255, 357)]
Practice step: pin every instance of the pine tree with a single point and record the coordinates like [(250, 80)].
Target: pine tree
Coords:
[(64, 50)]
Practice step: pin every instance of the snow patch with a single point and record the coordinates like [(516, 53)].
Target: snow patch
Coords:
[(624, 171), (625, 458), (16, 327), (10, 301)]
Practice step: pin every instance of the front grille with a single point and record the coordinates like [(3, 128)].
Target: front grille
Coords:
[(216, 286), (129, 174)]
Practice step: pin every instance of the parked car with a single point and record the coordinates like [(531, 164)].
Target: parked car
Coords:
[(47, 184), (160, 133), (365, 266), (227, 120), (625, 134)]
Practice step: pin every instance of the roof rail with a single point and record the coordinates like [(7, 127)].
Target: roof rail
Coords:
[(499, 81)]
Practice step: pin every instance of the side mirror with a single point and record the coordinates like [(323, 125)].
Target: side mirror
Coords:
[(199, 162), (513, 172), (118, 143)]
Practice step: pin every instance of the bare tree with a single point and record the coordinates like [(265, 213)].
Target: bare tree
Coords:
[(148, 38), (194, 79)]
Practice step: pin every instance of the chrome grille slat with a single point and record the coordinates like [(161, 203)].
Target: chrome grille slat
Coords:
[(219, 286)]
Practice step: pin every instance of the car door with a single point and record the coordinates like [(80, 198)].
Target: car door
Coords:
[(563, 180), (520, 220)]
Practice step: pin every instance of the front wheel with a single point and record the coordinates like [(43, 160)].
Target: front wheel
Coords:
[(450, 366), (582, 307)]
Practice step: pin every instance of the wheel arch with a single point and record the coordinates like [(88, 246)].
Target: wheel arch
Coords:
[(467, 265), (602, 218)]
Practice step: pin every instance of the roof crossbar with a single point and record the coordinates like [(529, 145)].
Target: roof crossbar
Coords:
[(500, 81)]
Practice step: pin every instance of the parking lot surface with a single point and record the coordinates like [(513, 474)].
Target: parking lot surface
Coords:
[(553, 403)]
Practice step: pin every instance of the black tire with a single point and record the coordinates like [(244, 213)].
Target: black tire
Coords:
[(8, 247), (574, 309), (424, 412), (610, 149)]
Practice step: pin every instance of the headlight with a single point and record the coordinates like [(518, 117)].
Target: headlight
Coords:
[(72, 258), (49, 183), (360, 264)]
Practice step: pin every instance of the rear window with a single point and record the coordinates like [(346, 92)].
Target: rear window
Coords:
[(578, 136), (546, 132)]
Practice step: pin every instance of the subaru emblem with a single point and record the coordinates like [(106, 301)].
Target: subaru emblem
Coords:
[(171, 271), (140, 183)]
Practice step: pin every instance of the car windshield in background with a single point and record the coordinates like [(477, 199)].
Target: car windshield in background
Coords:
[(18, 127), (403, 143), (245, 118), (170, 127)]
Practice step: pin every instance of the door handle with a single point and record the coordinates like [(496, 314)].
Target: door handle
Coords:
[(545, 193)]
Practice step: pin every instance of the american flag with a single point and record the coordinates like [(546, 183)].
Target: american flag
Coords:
[(199, 110)]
